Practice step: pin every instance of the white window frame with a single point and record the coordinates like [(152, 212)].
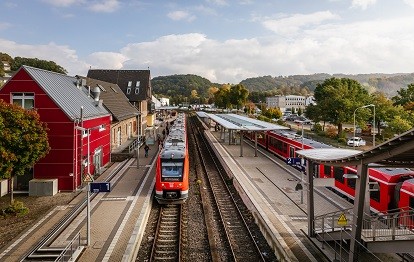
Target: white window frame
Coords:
[(128, 91), (136, 90), (102, 127), (22, 97), (129, 83), (137, 84)]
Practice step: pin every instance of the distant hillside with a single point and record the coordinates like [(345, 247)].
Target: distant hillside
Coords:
[(182, 85), (387, 83)]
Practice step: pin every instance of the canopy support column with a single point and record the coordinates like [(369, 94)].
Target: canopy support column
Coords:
[(241, 143), (255, 143), (310, 170)]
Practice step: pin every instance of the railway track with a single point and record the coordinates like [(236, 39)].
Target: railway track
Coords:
[(229, 235), (167, 242)]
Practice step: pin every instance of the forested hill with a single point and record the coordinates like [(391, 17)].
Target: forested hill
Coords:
[(183, 85), (387, 83)]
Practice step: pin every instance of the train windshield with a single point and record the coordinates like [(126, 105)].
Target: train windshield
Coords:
[(172, 171)]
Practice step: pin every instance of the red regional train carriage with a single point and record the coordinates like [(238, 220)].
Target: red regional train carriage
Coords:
[(385, 183), (172, 168)]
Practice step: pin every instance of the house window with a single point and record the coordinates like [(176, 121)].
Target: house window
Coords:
[(25, 100), (102, 127), (136, 90), (85, 132), (129, 83), (138, 83), (128, 90)]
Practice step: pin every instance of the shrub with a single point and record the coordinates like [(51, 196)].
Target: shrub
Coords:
[(16, 208)]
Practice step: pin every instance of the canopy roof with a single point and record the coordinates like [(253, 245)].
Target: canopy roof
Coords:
[(396, 152), (238, 122)]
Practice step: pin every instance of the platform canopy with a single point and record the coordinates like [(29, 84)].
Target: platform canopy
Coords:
[(396, 152), (238, 122)]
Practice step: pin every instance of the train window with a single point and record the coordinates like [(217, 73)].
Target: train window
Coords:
[(339, 174), (374, 192), (351, 182), (412, 202), (172, 171), (326, 170)]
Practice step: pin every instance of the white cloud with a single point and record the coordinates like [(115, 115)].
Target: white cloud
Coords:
[(62, 55), (181, 15), (363, 4), (379, 46), (4, 25), (292, 24), (107, 60), (63, 3), (409, 2), (218, 2), (106, 6)]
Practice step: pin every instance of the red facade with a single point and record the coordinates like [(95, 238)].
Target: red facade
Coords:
[(68, 150)]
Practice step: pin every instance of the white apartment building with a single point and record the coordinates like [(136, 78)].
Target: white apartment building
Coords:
[(288, 102)]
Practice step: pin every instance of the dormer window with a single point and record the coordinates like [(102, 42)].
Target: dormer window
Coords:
[(129, 83), (136, 90), (138, 83), (128, 91)]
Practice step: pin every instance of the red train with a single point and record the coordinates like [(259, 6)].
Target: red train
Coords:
[(172, 168), (391, 188)]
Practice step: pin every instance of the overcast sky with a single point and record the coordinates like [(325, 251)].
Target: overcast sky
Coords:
[(224, 41)]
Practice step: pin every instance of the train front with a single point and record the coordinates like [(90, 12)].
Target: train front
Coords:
[(171, 185)]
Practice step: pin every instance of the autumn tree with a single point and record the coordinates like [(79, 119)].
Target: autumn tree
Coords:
[(238, 95), (23, 141)]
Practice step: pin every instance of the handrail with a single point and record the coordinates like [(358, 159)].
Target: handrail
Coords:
[(70, 249), (378, 227)]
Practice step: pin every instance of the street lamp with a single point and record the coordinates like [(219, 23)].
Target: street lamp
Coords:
[(373, 142)]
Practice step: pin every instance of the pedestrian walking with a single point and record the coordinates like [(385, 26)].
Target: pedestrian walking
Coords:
[(146, 149)]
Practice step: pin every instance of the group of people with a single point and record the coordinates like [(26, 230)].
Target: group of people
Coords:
[(159, 139)]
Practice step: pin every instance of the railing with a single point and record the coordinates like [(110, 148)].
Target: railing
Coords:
[(70, 249), (392, 226), (136, 143), (329, 222)]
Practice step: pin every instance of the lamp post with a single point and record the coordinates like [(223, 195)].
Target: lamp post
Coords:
[(373, 142), (302, 171), (138, 136)]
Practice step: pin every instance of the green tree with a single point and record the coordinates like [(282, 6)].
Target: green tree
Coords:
[(238, 95), (221, 97), (405, 96), (337, 99), (23, 140), (35, 62)]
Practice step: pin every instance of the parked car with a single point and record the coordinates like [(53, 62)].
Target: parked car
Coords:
[(356, 141)]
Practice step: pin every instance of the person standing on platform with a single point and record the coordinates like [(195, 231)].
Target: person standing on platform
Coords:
[(146, 149)]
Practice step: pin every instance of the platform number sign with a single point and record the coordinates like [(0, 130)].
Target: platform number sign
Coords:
[(293, 161), (99, 187)]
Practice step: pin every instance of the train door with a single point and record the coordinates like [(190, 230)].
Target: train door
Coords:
[(291, 151)]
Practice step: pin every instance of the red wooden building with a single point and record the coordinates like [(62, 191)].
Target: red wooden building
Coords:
[(79, 125)]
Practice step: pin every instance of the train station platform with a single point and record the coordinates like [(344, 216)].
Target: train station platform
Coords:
[(118, 218), (269, 192)]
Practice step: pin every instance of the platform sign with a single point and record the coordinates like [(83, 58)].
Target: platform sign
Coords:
[(292, 161), (342, 221), (100, 187)]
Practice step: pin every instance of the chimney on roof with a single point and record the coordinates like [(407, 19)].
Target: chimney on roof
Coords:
[(96, 91)]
